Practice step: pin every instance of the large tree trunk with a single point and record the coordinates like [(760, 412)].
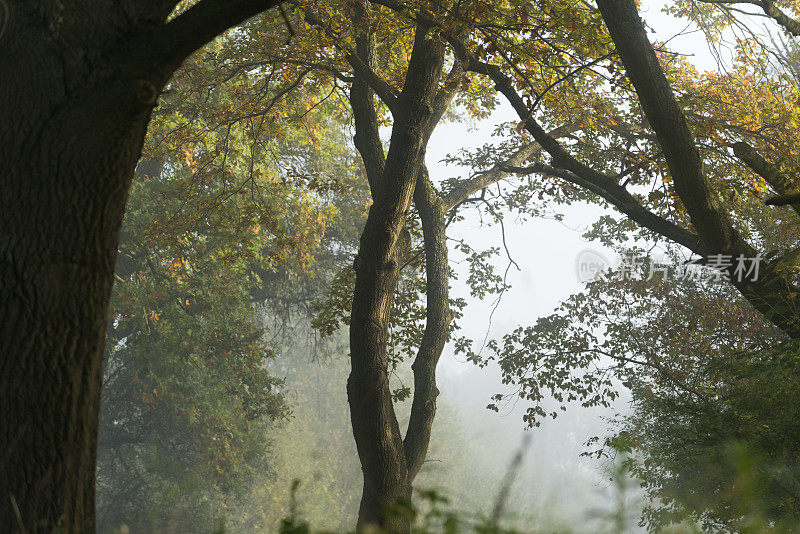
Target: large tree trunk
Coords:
[(67, 155), (64, 177), (78, 82)]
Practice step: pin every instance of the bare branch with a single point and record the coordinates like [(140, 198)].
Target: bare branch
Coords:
[(449, 88), (464, 188)]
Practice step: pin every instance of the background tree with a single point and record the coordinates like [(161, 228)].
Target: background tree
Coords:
[(412, 93), (696, 209), (712, 405), (222, 251)]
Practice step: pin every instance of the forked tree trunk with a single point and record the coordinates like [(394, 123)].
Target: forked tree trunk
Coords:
[(388, 465)]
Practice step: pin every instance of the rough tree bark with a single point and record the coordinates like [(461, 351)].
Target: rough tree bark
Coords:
[(78, 86)]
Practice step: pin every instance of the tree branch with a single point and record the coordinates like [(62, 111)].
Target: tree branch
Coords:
[(367, 136), (465, 188), (771, 173), (449, 88), (782, 200), (789, 24), (362, 64), (667, 120), (772, 293), (144, 11), (366, 71), (624, 201), (579, 173), (173, 42), (437, 323)]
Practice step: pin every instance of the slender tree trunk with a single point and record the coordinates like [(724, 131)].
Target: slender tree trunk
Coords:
[(437, 323), (378, 439)]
